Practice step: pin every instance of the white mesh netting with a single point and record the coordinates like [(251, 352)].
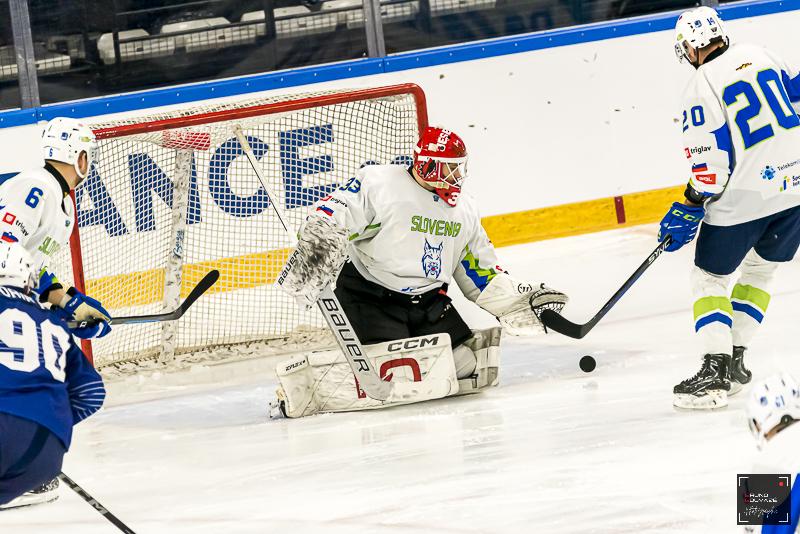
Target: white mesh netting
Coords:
[(165, 205)]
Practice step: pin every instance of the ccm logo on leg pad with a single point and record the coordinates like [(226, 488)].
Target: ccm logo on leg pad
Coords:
[(417, 343)]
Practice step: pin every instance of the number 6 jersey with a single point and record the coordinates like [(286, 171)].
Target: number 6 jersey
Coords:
[(742, 135), (36, 211)]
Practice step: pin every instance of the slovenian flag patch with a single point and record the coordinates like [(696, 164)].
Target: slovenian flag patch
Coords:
[(325, 209), (700, 167)]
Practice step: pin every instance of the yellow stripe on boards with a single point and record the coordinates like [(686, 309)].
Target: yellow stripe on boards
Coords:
[(141, 288), (548, 223), (579, 217), (650, 206), (262, 268)]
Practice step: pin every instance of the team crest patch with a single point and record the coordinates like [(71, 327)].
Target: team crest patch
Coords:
[(432, 259)]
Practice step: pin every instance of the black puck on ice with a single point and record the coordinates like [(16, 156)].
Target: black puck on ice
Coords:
[(587, 364)]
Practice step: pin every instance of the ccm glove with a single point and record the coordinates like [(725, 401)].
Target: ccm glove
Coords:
[(681, 222), (86, 330), (83, 308)]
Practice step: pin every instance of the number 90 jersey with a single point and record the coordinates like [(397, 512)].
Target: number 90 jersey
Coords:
[(742, 135), (44, 377), (35, 211)]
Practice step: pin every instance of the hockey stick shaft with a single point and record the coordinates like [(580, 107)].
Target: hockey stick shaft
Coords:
[(557, 322), (202, 286), (328, 303), (94, 504)]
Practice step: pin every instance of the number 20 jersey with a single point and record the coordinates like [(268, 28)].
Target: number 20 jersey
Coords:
[(742, 135)]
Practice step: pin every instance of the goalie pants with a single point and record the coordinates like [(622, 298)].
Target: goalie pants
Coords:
[(726, 317), (30, 455), (379, 314)]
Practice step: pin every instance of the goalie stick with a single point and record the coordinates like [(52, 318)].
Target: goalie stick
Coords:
[(202, 286), (328, 303), (94, 504), (557, 322)]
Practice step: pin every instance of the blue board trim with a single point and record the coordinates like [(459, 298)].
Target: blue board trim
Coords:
[(365, 67)]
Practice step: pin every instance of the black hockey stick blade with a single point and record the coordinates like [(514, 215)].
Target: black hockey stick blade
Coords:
[(94, 504), (557, 322), (202, 286)]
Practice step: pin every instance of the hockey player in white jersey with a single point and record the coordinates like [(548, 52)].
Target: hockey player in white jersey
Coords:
[(773, 410), (36, 211), (409, 232), (742, 146)]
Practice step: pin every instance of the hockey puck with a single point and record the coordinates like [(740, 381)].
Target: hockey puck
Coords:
[(587, 364)]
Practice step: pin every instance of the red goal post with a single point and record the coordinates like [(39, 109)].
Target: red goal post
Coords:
[(171, 196)]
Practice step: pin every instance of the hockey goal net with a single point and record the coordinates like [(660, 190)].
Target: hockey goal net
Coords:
[(172, 196)]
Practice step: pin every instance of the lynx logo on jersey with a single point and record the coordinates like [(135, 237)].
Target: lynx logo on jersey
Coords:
[(432, 259)]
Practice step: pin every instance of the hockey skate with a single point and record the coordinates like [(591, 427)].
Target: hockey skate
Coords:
[(45, 493), (738, 374), (708, 389)]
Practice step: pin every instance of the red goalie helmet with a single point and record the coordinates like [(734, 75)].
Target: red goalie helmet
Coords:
[(440, 159)]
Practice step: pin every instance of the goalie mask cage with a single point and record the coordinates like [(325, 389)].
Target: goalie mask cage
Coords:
[(171, 196)]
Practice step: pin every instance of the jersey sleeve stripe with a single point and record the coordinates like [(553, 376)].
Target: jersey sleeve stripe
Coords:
[(480, 276)]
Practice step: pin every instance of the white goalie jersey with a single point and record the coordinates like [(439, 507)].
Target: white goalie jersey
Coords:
[(406, 238), (742, 135), (36, 211)]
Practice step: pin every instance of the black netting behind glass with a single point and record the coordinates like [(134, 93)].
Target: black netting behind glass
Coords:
[(9, 80)]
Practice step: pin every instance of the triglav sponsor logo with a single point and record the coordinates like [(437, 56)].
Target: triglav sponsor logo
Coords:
[(696, 151)]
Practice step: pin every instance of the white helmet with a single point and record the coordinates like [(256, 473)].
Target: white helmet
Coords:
[(698, 27), (773, 401), (63, 139), (16, 267)]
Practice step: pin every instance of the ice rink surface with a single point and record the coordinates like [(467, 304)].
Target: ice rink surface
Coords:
[(551, 450)]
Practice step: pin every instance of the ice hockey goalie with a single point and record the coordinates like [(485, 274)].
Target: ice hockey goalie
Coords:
[(393, 238)]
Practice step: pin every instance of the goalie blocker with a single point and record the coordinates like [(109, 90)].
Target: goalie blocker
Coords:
[(422, 368)]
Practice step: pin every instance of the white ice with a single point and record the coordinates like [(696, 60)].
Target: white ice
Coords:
[(552, 450)]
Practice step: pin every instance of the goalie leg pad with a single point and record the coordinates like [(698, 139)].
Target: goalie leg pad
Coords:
[(484, 345), (421, 368)]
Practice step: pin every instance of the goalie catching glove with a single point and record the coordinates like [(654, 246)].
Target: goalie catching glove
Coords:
[(315, 263), (519, 305)]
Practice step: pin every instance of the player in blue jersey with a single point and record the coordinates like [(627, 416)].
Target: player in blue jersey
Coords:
[(46, 384)]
